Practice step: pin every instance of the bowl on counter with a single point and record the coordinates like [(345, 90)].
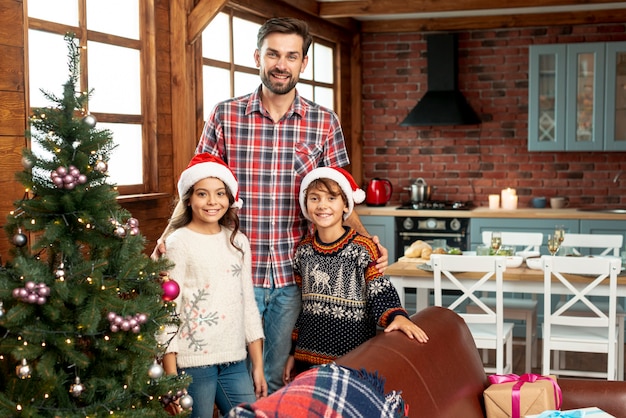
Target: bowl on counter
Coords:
[(535, 263), (528, 254), (514, 261)]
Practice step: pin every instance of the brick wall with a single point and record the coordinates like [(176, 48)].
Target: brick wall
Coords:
[(469, 163)]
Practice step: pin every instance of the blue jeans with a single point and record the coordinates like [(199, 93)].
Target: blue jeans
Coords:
[(226, 385), (279, 308)]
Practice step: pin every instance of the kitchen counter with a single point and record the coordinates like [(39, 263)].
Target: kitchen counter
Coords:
[(483, 212)]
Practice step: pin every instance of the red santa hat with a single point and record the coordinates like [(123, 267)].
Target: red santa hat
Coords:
[(206, 165), (344, 179)]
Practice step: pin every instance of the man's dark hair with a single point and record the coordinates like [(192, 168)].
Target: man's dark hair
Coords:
[(286, 25)]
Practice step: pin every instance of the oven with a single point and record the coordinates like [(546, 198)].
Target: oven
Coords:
[(454, 230)]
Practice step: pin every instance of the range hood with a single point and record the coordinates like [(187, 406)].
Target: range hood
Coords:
[(443, 103)]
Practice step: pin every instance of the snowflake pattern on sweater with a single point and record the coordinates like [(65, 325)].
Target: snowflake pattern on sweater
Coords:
[(344, 297)]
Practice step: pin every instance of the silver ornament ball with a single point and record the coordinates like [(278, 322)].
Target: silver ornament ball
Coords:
[(155, 371), (77, 388), (19, 239), (90, 121), (186, 401), (27, 163)]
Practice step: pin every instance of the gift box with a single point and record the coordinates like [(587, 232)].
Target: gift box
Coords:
[(573, 413), (513, 396)]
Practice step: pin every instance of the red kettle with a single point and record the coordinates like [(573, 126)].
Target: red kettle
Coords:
[(378, 192)]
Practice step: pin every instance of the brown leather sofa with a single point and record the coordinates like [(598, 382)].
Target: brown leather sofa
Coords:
[(445, 377)]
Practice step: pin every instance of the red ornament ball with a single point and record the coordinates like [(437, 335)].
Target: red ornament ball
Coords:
[(171, 290)]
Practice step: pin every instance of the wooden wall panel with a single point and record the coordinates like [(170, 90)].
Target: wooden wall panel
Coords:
[(12, 110)]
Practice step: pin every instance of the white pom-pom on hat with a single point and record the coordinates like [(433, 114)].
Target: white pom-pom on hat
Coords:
[(206, 165), (344, 179)]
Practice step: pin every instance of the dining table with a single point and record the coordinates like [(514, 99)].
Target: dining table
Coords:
[(405, 274)]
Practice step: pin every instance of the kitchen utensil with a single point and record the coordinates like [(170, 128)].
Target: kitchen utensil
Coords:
[(539, 202), (378, 192), (558, 202), (419, 191)]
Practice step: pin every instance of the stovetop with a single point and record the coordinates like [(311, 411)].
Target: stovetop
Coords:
[(437, 205)]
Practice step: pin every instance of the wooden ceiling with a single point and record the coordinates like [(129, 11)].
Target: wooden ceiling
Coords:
[(446, 15)]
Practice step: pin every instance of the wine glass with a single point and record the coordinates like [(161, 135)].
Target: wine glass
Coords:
[(553, 244), (559, 233), (496, 241)]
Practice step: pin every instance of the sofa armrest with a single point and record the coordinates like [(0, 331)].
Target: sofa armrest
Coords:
[(610, 396)]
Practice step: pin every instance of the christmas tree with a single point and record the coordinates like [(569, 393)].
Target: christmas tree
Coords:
[(82, 309)]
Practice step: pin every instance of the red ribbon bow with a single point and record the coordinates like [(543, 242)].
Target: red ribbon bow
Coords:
[(520, 380)]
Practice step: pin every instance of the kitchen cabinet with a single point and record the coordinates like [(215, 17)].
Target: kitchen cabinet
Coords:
[(384, 228), (615, 114), (577, 100)]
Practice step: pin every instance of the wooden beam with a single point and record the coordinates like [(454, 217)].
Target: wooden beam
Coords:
[(200, 16), (493, 22), (356, 89), (183, 88), (357, 8)]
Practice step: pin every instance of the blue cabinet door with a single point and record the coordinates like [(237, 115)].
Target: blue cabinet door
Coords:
[(384, 228)]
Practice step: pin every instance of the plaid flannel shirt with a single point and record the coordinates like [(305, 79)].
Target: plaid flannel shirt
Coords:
[(270, 159)]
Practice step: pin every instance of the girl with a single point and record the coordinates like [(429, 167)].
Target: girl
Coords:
[(344, 296), (218, 313)]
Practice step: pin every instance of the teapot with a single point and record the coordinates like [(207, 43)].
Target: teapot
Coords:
[(378, 192)]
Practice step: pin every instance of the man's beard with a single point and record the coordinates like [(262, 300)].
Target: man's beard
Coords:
[(278, 88)]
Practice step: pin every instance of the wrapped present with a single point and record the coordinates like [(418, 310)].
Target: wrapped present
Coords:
[(573, 413), (513, 396)]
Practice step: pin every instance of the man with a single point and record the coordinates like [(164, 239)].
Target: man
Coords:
[(271, 139)]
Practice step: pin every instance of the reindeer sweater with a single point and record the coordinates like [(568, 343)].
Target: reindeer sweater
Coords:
[(344, 297)]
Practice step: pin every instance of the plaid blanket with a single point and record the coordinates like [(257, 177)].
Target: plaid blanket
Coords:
[(328, 391)]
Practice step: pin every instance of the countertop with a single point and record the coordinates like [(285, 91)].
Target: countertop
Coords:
[(483, 212)]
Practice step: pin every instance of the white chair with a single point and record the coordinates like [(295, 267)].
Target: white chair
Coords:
[(604, 244), (529, 241), (518, 308), (567, 331), (487, 327)]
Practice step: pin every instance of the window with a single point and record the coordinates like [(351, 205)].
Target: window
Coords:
[(229, 70), (113, 64)]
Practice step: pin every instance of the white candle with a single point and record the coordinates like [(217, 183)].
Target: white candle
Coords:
[(510, 202), (506, 193), (494, 201)]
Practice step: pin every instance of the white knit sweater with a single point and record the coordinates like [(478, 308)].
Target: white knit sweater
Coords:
[(218, 312)]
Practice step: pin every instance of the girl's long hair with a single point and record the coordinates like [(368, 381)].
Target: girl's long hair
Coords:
[(182, 215)]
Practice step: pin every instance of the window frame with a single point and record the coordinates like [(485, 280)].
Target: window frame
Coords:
[(147, 68)]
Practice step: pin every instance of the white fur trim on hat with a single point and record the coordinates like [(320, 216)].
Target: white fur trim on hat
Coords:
[(344, 179), (206, 165)]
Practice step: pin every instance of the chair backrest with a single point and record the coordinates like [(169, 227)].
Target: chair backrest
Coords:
[(606, 242), (529, 241), (471, 288), (565, 272)]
